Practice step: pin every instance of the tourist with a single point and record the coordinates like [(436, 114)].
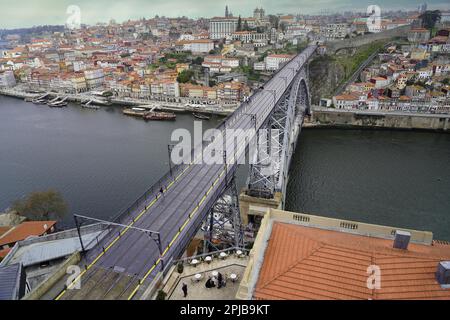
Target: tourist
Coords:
[(185, 289), (220, 281)]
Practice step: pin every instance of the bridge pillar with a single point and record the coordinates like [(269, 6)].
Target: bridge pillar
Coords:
[(245, 201)]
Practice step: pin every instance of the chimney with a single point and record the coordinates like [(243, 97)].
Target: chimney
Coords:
[(401, 239), (443, 273)]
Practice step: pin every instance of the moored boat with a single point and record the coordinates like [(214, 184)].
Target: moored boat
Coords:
[(39, 101), (200, 116), (59, 104), (159, 116), (135, 112)]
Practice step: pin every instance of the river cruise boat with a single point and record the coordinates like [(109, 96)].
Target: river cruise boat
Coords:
[(163, 116)]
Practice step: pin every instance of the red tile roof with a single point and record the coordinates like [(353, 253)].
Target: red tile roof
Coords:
[(3, 230), (26, 229), (309, 263)]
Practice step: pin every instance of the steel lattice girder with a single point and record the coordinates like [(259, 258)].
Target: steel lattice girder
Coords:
[(274, 153), (224, 220)]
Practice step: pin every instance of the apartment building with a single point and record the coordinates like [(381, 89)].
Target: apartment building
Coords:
[(222, 27), (336, 31), (7, 79), (94, 78), (274, 61)]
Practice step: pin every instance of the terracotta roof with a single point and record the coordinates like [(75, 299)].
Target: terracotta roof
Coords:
[(26, 229), (3, 230), (310, 263)]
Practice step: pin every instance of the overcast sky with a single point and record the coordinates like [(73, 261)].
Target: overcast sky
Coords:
[(26, 13)]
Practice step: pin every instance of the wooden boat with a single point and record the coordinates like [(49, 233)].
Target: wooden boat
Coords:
[(135, 112), (200, 116), (166, 116)]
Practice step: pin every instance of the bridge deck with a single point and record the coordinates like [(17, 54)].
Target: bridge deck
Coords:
[(178, 213)]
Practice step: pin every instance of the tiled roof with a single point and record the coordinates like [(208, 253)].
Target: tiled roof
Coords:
[(3, 230), (310, 263), (26, 229)]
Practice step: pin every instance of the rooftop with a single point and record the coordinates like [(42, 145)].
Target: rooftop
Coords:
[(25, 230), (11, 282), (306, 261), (231, 264)]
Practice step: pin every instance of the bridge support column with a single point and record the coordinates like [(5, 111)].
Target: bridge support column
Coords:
[(251, 207)]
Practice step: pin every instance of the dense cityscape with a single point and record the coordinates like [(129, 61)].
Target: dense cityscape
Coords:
[(87, 111)]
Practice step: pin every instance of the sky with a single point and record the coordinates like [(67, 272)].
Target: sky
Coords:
[(27, 13)]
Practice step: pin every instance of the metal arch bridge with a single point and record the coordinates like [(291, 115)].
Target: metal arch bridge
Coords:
[(147, 237)]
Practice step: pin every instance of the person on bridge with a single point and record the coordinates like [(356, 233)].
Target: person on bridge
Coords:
[(185, 289)]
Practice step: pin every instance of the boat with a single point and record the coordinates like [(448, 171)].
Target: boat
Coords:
[(58, 104), (136, 112), (39, 101), (90, 106), (201, 116), (159, 116)]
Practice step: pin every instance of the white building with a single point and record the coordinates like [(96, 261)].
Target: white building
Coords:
[(336, 30), (94, 78), (259, 66), (7, 79), (274, 61), (195, 46), (220, 27)]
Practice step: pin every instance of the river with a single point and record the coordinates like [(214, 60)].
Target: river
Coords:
[(393, 178), (101, 161)]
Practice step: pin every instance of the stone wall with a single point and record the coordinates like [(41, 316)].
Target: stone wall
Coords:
[(333, 46), (382, 120)]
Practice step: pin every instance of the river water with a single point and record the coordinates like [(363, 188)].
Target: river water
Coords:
[(393, 178), (101, 161)]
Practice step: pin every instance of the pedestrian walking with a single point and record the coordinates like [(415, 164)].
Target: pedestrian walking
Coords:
[(185, 289)]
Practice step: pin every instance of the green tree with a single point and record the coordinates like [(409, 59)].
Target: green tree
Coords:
[(198, 61), (43, 205), (246, 27), (274, 21), (239, 25), (430, 18), (185, 76), (161, 295)]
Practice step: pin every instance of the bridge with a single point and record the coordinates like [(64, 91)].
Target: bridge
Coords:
[(142, 241)]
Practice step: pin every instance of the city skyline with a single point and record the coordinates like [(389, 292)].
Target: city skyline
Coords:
[(30, 13)]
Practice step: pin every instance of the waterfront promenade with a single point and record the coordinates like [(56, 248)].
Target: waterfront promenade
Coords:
[(175, 104)]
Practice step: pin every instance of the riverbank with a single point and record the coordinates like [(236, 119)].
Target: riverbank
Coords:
[(332, 118), (177, 107)]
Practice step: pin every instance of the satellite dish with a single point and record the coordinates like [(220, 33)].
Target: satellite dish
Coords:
[(45, 226), (135, 35)]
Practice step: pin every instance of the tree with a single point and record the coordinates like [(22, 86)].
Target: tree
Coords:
[(430, 18), (44, 205), (161, 295), (185, 76), (199, 60), (246, 27), (239, 25)]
